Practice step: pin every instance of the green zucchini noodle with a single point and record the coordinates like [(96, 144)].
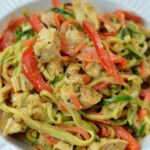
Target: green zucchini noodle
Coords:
[(72, 78)]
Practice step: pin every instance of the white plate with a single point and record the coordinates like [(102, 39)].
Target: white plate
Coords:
[(10, 7)]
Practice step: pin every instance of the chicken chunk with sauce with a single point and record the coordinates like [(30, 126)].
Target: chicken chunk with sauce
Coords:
[(47, 46)]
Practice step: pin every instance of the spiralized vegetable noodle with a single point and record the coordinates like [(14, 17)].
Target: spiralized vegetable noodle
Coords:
[(72, 78)]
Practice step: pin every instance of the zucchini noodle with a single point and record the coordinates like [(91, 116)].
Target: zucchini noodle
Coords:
[(72, 78)]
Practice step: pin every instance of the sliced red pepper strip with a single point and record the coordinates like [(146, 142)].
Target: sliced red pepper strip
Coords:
[(102, 53), (36, 23), (13, 24), (131, 16), (7, 37), (125, 135), (31, 71), (19, 21)]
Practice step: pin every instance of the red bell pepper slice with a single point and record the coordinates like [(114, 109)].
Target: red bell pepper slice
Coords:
[(36, 23), (126, 136), (7, 39), (102, 53), (131, 16), (8, 36), (31, 71)]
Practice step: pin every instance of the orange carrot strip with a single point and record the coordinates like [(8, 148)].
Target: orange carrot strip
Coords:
[(107, 35), (49, 140), (86, 79), (142, 114), (104, 131), (67, 59), (66, 24), (142, 70), (125, 135), (87, 57), (75, 101), (75, 130), (101, 86), (78, 48), (147, 97), (62, 107), (55, 3), (119, 16), (58, 19), (29, 42), (105, 21)]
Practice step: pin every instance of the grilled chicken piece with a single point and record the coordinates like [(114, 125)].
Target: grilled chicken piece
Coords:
[(54, 68), (86, 95), (48, 19), (74, 36), (84, 11), (47, 46)]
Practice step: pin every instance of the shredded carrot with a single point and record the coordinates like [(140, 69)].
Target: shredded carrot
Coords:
[(36, 23), (55, 3), (75, 101), (107, 35), (78, 48), (101, 86), (75, 130), (64, 45), (86, 79), (105, 21), (142, 114), (85, 60), (142, 70), (121, 18), (123, 134), (49, 140), (104, 131), (119, 60), (147, 97), (29, 42), (62, 107), (58, 19), (83, 148), (67, 59), (65, 24)]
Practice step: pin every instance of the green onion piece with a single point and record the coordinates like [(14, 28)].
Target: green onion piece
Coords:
[(141, 130), (62, 11), (117, 99), (56, 79), (19, 34), (134, 54), (123, 33)]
